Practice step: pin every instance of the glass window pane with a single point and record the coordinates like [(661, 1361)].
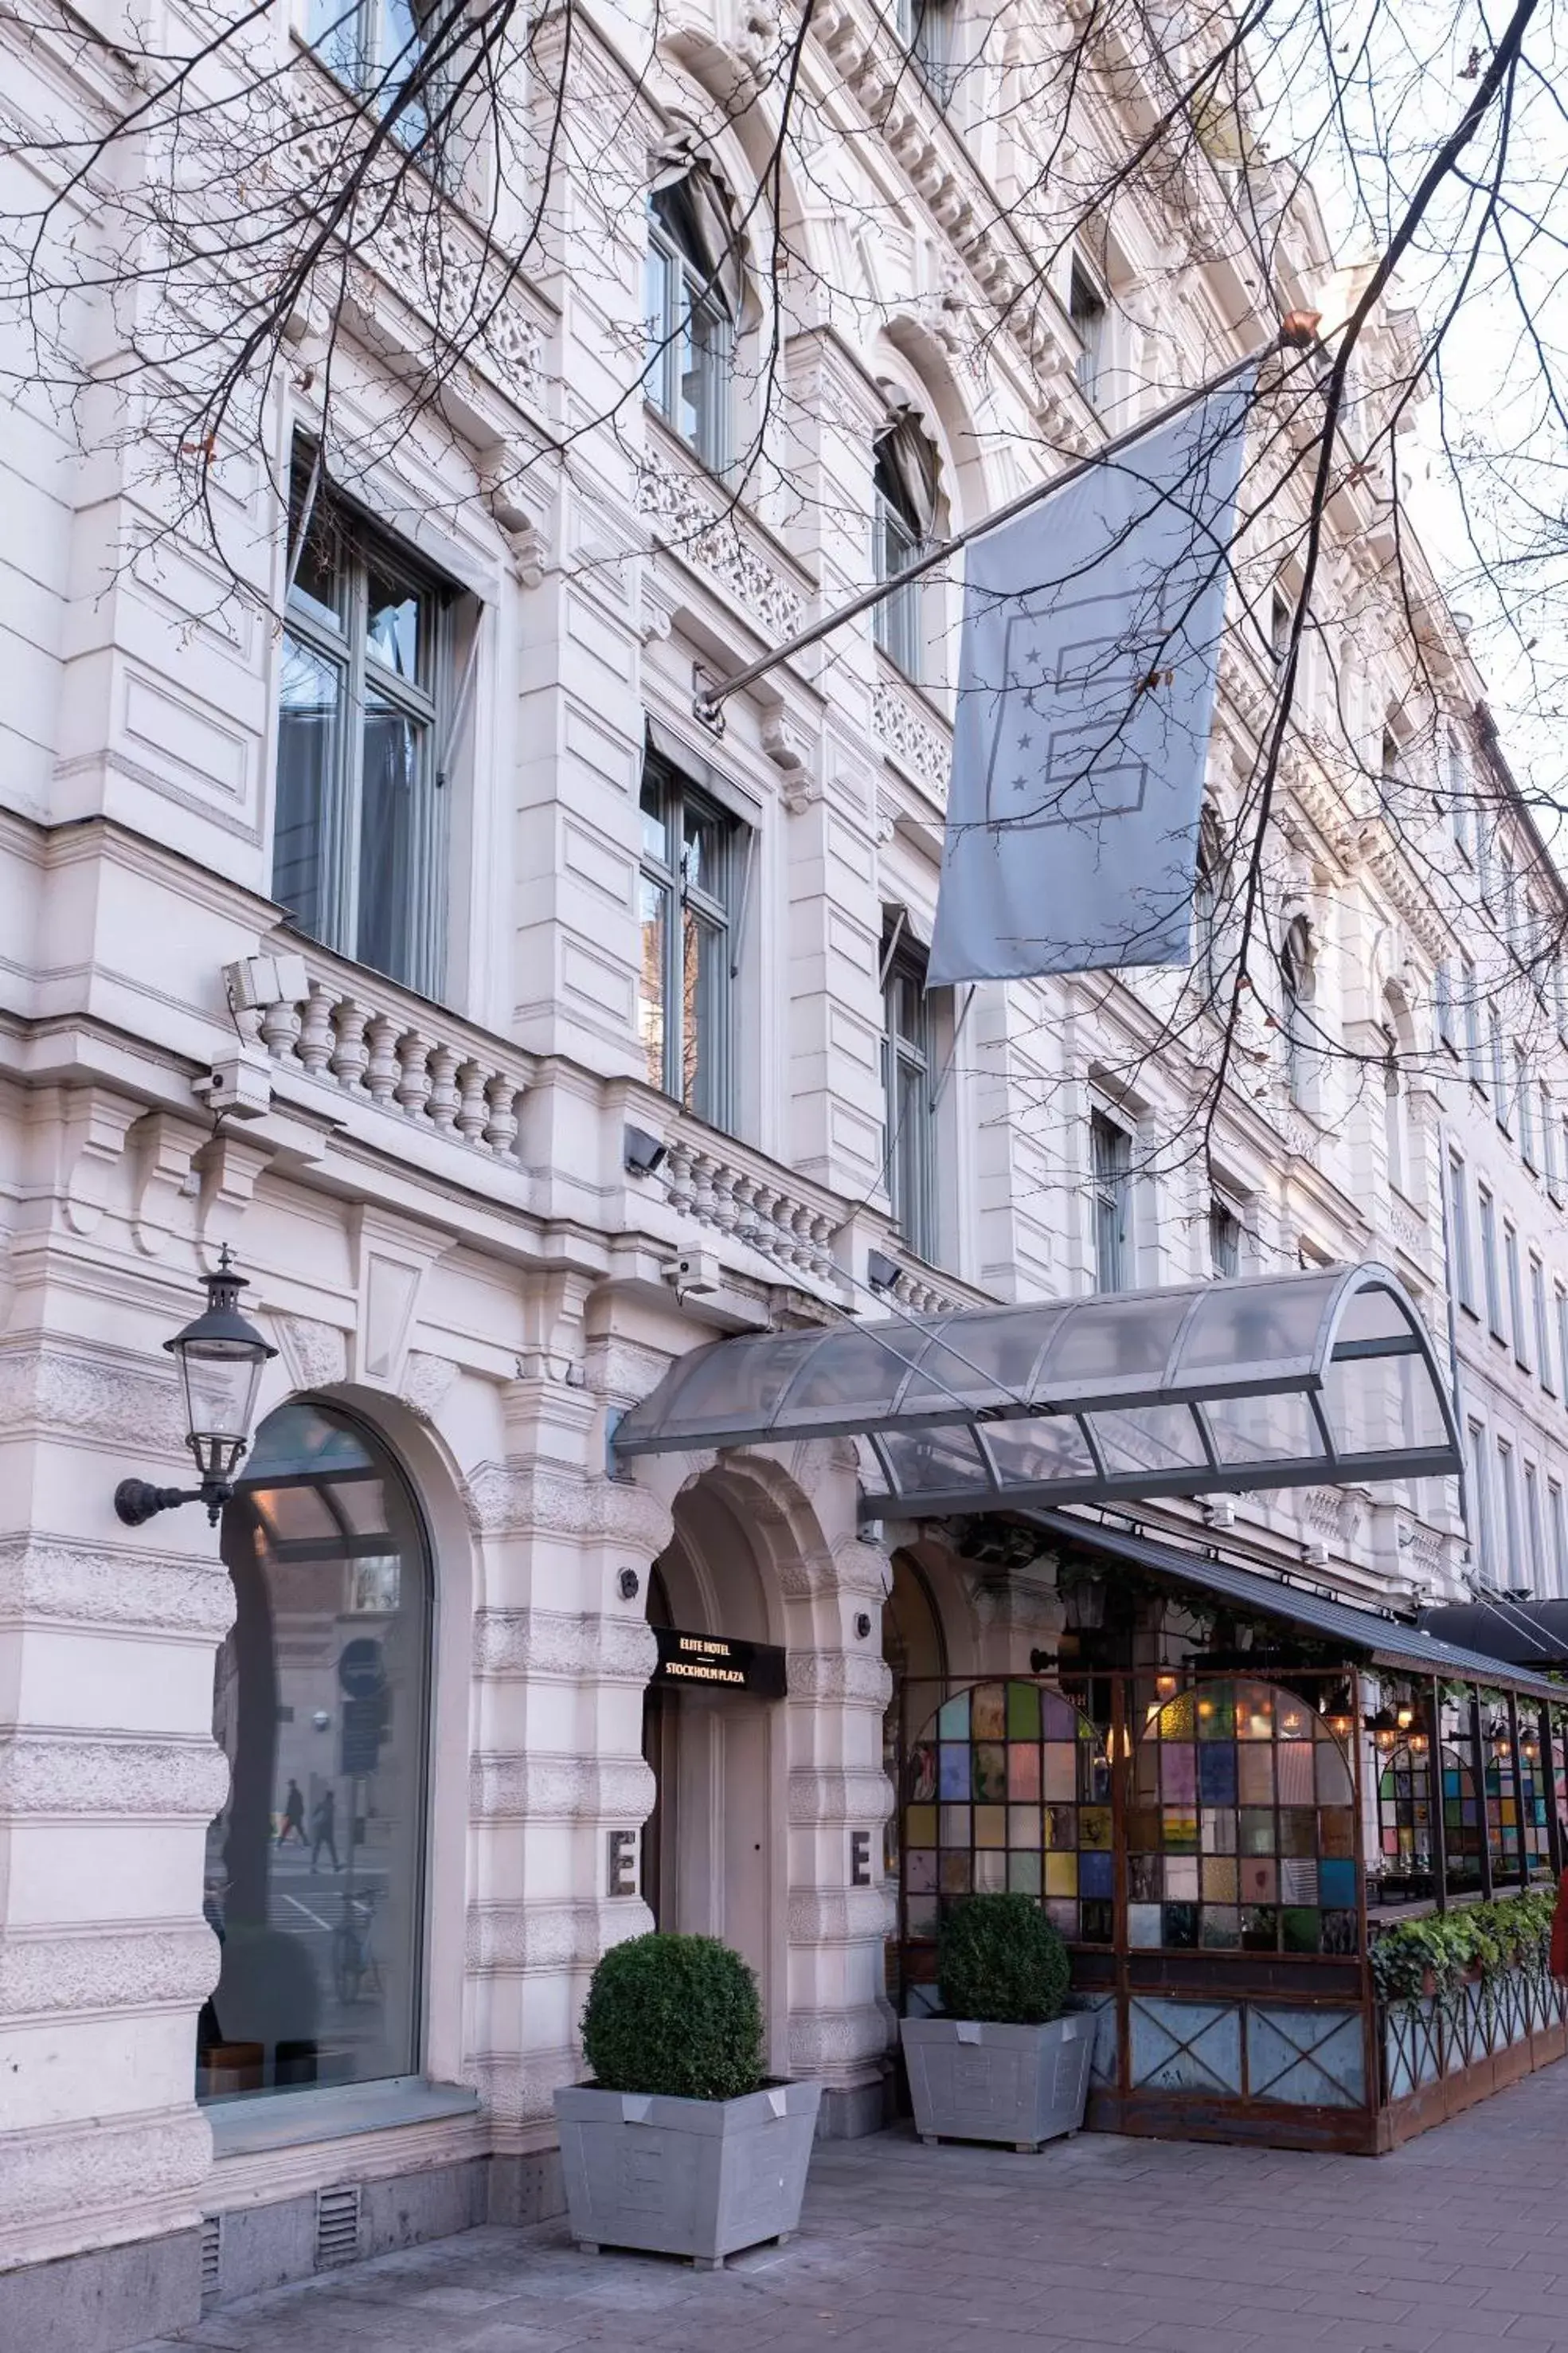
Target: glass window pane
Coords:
[(1114, 1339), (704, 974), (651, 980), (655, 829), (310, 784), (296, 1514), (1263, 1428), (988, 1355), (930, 1462), (1152, 1437), (704, 842), (393, 632), (314, 1868), (1040, 1448), (318, 582), (389, 862), (1256, 1324), (855, 1371)]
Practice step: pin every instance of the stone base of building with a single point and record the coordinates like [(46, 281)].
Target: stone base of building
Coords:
[(850, 2114), (105, 2299), (114, 2297)]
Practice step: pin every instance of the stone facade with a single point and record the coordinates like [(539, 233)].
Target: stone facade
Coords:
[(431, 1195)]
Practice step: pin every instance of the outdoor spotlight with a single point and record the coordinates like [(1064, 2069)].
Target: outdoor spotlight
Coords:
[(641, 1152), (881, 1272), (220, 1358)]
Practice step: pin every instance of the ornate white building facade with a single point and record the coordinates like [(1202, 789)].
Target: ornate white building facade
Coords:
[(381, 923)]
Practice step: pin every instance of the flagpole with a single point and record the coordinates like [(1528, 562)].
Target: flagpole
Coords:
[(1298, 331)]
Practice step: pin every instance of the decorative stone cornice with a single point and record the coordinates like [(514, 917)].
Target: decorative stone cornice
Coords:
[(693, 525), (53, 1577), (560, 1789), (120, 1967), (54, 1774), (910, 740), (553, 1644), (864, 1797), (516, 1499), (532, 1938)]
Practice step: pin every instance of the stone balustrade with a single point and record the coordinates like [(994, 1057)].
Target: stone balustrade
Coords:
[(742, 1195), (403, 1056)]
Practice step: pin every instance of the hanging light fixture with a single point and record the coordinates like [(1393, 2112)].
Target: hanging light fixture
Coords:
[(1166, 1684), (1384, 1729), (220, 1358)]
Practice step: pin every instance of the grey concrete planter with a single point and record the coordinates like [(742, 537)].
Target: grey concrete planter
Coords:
[(698, 2177), (1018, 2083)]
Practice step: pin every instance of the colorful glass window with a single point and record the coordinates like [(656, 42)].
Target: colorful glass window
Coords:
[(1404, 1813), (1007, 1787), (1241, 1826)]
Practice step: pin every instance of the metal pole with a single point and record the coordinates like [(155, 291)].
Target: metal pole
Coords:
[(1298, 331), (1523, 1827), (1434, 1798), (1483, 1819)]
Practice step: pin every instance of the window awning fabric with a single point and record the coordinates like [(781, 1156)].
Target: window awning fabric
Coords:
[(1377, 1640), (1529, 1633), (1303, 1379)]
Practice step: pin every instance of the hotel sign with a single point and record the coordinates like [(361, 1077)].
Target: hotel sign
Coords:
[(718, 1663)]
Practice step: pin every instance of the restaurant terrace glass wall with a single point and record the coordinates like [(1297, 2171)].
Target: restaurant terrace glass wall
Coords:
[(1222, 1846)]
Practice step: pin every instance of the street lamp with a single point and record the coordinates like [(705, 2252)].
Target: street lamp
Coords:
[(220, 1357)]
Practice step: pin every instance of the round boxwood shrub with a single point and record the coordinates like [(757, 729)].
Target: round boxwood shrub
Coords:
[(1000, 1961), (675, 2015)]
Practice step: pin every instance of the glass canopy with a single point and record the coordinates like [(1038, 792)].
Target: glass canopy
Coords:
[(1275, 1380)]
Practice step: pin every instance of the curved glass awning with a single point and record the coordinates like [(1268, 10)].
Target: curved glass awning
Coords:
[(1278, 1380)]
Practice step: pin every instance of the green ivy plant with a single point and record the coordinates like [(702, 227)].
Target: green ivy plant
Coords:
[(1445, 1949)]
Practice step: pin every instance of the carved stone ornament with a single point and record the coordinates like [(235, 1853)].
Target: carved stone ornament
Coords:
[(716, 544), (912, 741), (316, 1353), (560, 1789), (427, 1383)]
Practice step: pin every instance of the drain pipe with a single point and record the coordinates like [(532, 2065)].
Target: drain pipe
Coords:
[(1444, 1170)]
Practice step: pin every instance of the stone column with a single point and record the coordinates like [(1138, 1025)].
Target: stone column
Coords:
[(559, 1788)]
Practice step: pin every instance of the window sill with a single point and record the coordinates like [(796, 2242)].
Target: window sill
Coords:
[(245, 2127)]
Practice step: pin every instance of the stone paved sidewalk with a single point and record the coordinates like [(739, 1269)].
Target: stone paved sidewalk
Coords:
[(1456, 2244)]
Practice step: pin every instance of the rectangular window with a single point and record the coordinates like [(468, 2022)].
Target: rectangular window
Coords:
[(1525, 1094), (1112, 1147), (1472, 1021), (1498, 1070), (1542, 1327), (1508, 1527), (1489, 1269), (1281, 620), (359, 847), (1548, 1136), (1482, 1534), (1558, 1519), (383, 51), (1460, 1224), (1443, 1006), (1456, 788), (926, 29), (1520, 1329), (1532, 1528), (1561, 1301), (1225, 1239), (688, 324), (693, 857), (1086, 311), (909, 1078)]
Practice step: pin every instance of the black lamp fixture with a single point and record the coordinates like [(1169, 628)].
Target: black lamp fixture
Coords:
[(220, 1358)]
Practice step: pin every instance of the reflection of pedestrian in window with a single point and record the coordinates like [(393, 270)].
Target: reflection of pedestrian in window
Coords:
[(323, 1825), (293, 1814)]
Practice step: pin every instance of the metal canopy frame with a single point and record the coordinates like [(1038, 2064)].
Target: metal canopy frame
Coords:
[(1320, 1377)]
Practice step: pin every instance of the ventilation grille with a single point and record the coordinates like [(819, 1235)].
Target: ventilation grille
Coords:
[(212, 2253), (337, 2225)]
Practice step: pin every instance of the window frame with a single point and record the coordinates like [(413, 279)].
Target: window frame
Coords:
[(1508, 1488), (719, 911), (1111, 1198), (1484, 1532), (685, 294), (912, 1191), (1532, 1532), (933, 60), (1460, 1216), (1557, 1521), (1544, 1370), (1513, 1276), (1491, 1273), (347, 43), (1088, 315), (1224, 1227), (360, 548)]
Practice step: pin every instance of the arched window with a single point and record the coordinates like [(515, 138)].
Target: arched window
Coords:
[(1006, 1786), (1241, 1829), (903, 517), (315, 1866), (696, 283), (1297, 989)]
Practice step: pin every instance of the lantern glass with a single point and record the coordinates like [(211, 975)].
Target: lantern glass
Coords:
[(220, 1378)]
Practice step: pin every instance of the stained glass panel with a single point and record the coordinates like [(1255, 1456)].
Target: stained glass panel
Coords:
[(1024, 1802), (1243, 1836)]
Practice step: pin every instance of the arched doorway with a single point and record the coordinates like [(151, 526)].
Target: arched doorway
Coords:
[(315, 1866), (714, 1738)]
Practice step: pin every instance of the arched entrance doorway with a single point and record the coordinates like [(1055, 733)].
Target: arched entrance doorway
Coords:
[(315, 1867), (714, 1738)]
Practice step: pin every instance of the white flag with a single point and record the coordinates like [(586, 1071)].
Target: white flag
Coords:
[(1091, 637)]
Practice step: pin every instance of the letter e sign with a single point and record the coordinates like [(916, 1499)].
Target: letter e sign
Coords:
[(622, 1876), (859, 1858)]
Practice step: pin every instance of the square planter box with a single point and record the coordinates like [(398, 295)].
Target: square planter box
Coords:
[(1018, 2083), (698, 2177)]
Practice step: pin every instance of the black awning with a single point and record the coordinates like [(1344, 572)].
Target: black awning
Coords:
[(1367, 1635), (1527, 1634)]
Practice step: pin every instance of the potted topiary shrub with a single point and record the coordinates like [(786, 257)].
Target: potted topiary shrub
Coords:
[(679, 2145), (1002, 2064)]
